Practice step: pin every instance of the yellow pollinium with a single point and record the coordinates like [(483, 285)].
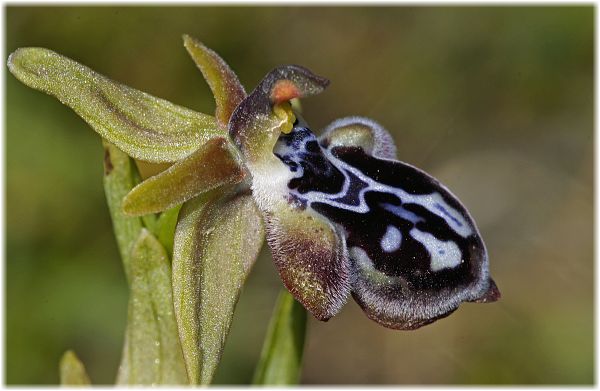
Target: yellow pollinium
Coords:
[(284, 112)]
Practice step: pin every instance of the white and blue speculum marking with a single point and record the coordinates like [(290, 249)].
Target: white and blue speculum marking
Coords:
[(407, 223)]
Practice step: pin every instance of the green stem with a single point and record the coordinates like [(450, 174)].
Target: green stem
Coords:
[(281, 358)]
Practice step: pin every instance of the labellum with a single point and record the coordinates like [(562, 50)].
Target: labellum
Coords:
[(343, 216)]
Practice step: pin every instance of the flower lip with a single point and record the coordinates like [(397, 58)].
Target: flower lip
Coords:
[(413, 251)]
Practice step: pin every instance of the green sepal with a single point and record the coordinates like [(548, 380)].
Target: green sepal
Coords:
[(143, 126), (281, 357), (212, 165), (72, 371), (223, 82), (217, 240)]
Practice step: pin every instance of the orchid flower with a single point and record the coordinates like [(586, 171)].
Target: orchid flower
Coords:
[(341, 214)]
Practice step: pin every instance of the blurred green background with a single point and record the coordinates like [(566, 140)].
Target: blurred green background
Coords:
[(497, 102)]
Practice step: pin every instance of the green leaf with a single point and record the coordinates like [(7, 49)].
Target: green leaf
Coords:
[(123, 371), (72, 371), (281, 358), (154, 351), (119, 178), (166, 228), (223, 82), (141, 125), (212, 165), (217, 240)]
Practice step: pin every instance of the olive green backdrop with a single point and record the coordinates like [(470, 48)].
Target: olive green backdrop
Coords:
[(495, 102)]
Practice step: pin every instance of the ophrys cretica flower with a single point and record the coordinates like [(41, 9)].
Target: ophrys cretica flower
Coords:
[(342, 216)]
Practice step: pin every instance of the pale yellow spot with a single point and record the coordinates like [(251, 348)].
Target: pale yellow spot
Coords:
[(284, 112)]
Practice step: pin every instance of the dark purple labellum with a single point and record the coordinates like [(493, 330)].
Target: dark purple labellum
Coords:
[(415, 251), (343, 217)]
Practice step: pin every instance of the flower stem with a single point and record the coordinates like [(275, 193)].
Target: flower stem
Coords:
[(281, 358)]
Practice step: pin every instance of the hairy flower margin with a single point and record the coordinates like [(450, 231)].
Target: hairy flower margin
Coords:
[(340, 214)]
